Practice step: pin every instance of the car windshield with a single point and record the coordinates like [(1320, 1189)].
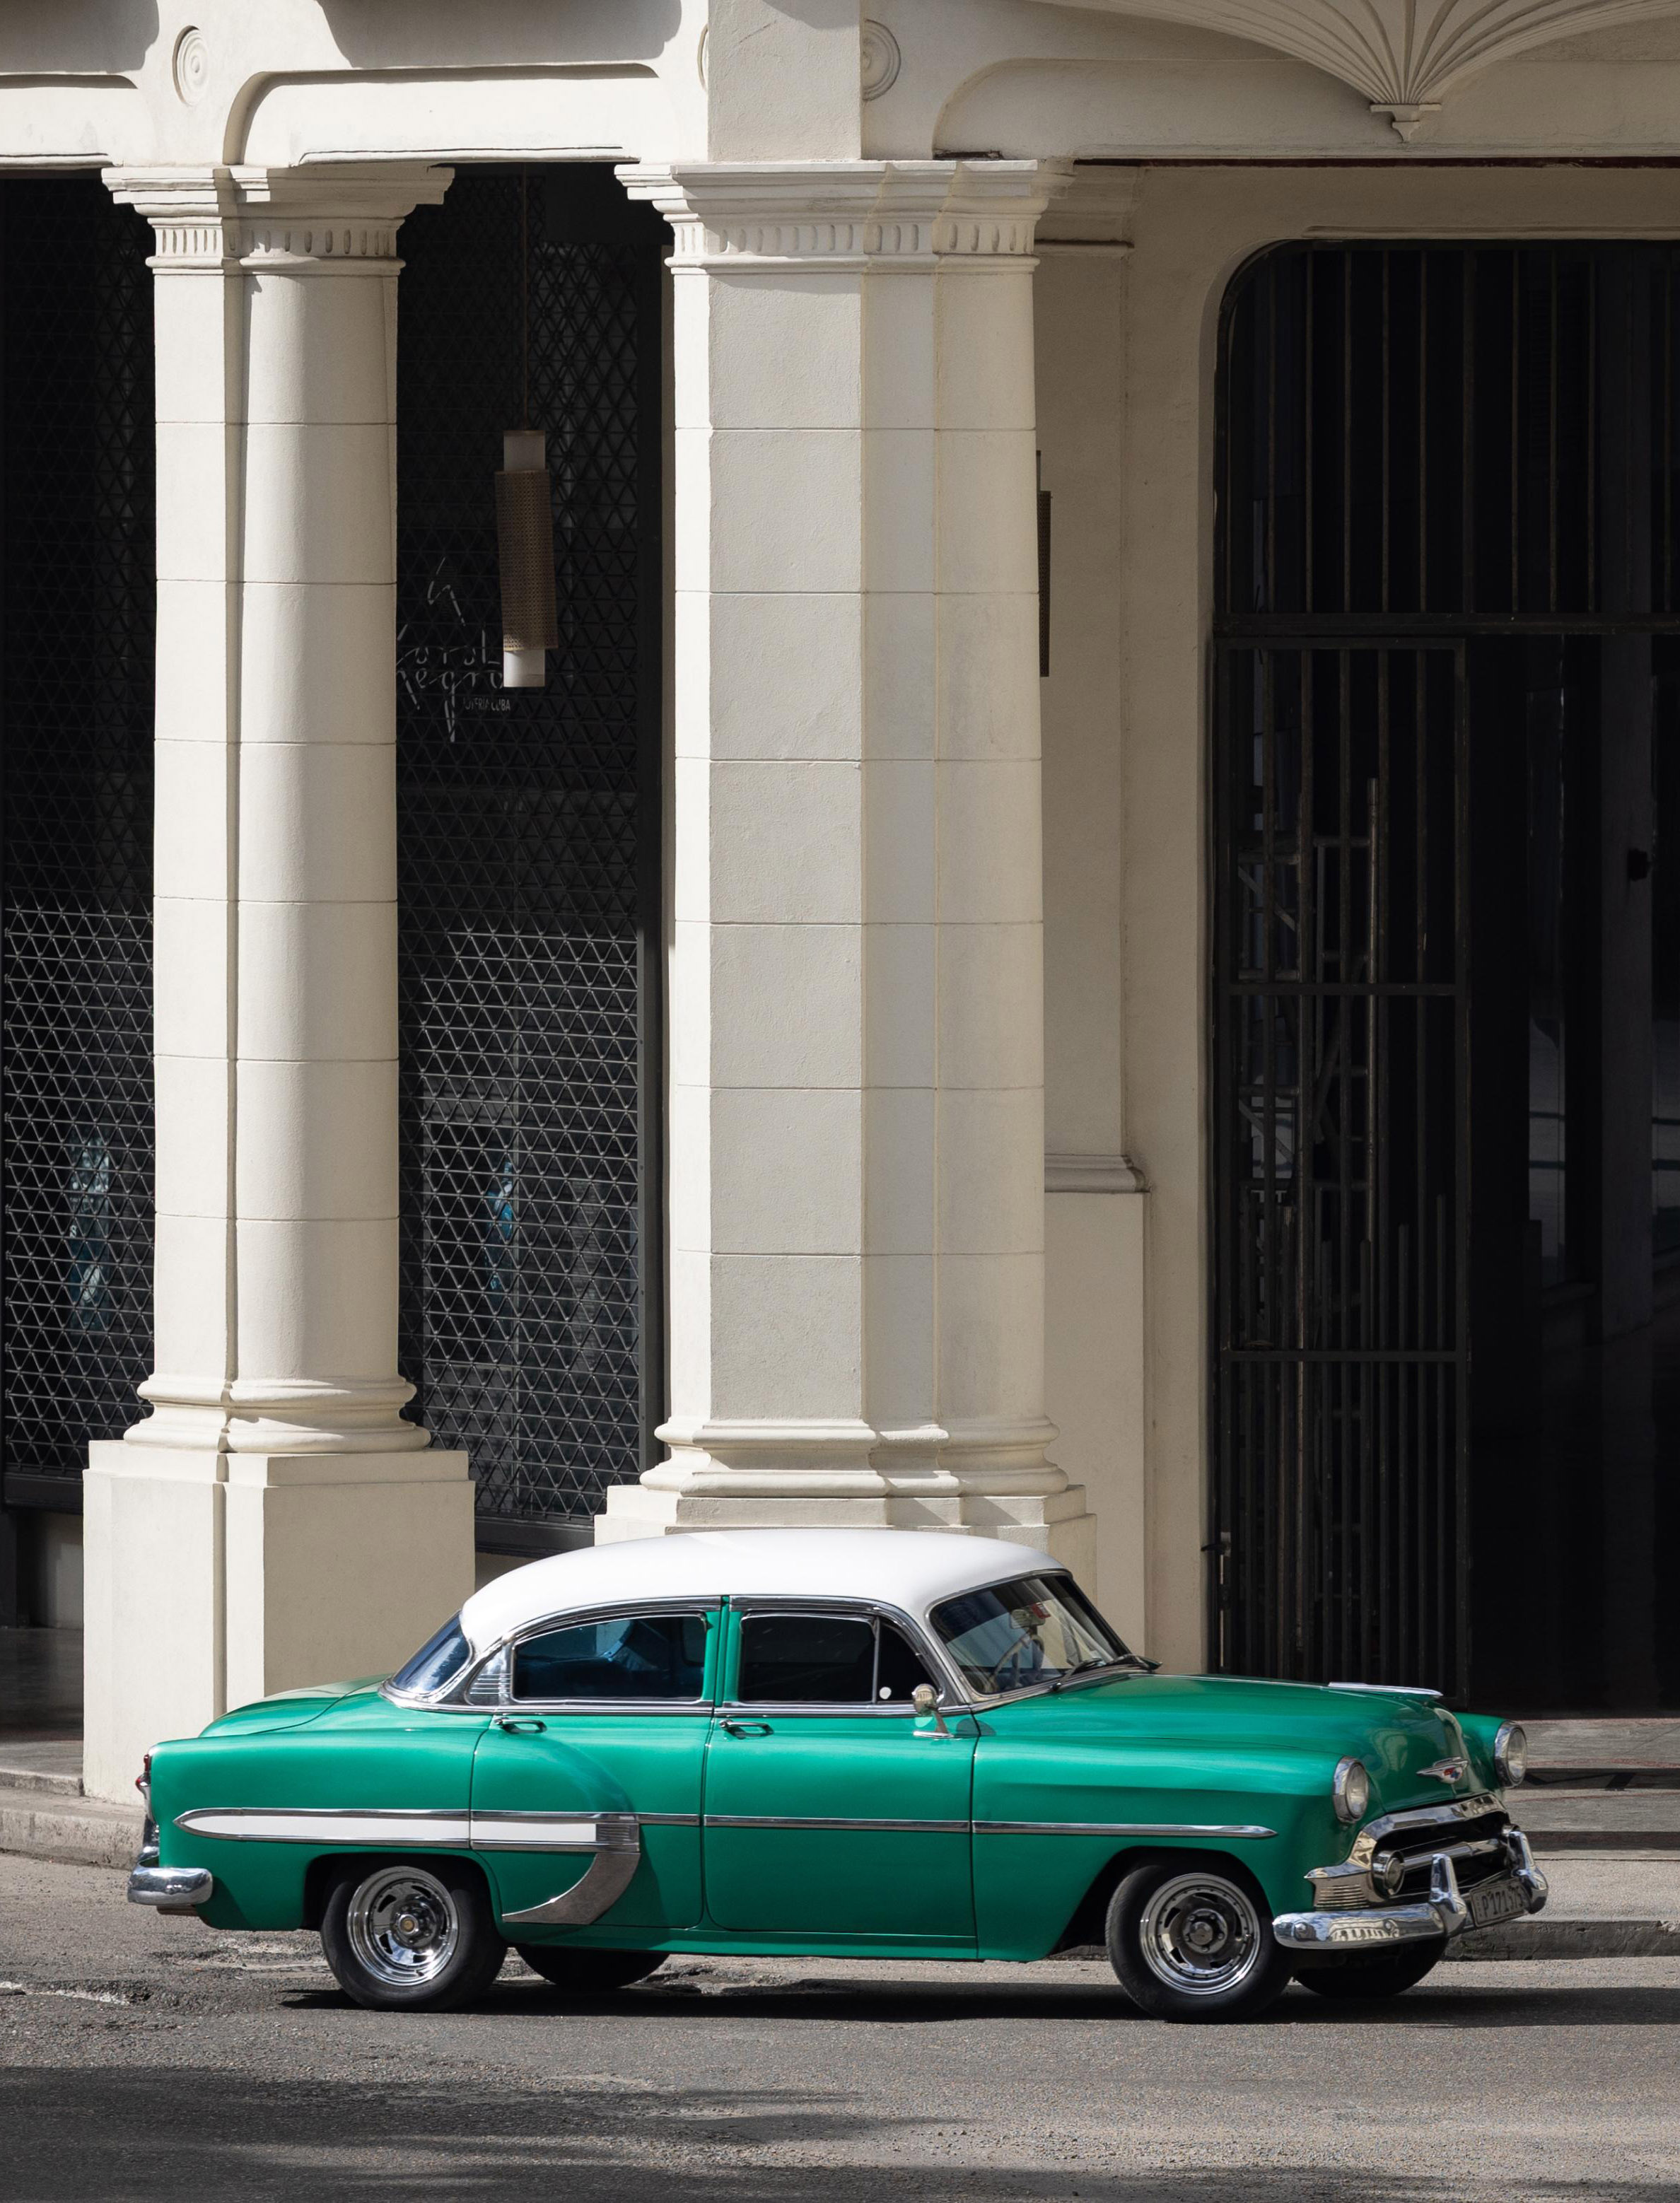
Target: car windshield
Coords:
[(1018, 1636), (438, 1659)]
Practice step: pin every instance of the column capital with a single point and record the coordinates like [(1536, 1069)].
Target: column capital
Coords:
[(850, 214), (330, 216)]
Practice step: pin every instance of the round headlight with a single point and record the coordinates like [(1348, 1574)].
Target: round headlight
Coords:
[(1511, 1754), (1350, 1790)]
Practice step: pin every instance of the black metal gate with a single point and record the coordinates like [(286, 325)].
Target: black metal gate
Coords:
[(76, 1142), (529, 826), (1341, 1088), (1421, 449)]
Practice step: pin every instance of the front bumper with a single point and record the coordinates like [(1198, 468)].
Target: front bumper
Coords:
[(1443, 1913), (171, 1888)]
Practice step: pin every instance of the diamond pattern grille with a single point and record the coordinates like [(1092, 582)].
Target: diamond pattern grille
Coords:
[(76, 1137), (528, 829)]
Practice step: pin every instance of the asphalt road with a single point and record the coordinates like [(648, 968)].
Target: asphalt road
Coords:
[(142, 2058)]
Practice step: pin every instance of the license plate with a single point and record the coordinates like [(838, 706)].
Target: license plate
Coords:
[(1498, 1900)]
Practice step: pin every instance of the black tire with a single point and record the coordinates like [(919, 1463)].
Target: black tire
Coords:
[(1190, 1942), (1386, 1975), (407, 1936), (589, 1973)]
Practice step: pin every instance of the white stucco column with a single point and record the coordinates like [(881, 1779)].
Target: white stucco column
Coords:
[(856, 1156), (273, 1521)]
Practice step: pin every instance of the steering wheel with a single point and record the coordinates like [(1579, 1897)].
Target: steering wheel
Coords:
[(1021, 1637)]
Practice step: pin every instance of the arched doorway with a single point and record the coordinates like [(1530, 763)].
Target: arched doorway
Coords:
[(1445, 1129)]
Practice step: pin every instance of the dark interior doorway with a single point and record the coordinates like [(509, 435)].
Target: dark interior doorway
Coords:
[(529, 821), (1445, 1134), (77, 614)]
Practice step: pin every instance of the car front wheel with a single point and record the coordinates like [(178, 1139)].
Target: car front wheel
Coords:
[(410, 1938), (1190, 1942), (1384, 1976), (589, 1973)]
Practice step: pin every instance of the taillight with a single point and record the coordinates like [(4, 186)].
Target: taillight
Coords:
[(143, 1780)]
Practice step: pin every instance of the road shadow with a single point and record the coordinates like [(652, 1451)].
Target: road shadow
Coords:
[(855, 2003), (141, 2134)]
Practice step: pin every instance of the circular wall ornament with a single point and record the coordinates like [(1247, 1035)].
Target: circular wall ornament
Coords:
[(700, 55), (191, 65), (881, 60)]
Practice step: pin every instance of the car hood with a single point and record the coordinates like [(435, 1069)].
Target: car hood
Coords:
[(1397, 1734)]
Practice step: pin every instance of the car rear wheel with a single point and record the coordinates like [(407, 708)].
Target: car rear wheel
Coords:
[(1386, 1975), (1190, 1942), (410, 1938), (589, 1973)]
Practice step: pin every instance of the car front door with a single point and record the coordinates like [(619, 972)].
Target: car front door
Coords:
[(834, 1809), (586, 1787)]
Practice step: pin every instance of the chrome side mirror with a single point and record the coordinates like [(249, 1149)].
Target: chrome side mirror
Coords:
[(925, 1700)]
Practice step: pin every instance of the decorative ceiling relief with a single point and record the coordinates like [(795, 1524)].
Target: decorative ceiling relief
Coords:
[(1405, 56)]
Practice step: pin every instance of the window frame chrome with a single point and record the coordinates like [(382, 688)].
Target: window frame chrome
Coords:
[(984, 1701), (952, 1698), (455, 1696)]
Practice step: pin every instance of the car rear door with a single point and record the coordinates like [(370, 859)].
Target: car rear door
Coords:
[(586, 1787)]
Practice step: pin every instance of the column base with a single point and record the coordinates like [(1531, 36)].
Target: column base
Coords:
[(213, 1578), (984, 1484)]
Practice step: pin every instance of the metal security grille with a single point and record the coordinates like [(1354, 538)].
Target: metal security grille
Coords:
[(528, 844), (76, 1142), (1340, 1043), (1421, 449)]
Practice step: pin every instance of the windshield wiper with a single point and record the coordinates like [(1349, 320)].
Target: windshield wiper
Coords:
[(1093, 1661), (1088, 1666)]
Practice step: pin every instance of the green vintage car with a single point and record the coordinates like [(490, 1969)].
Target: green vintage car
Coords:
[(875, 1744)]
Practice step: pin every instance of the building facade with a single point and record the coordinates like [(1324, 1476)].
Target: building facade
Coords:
[(1081, 943)]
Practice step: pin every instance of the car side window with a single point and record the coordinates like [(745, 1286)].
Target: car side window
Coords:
[(635, 1655), (899, 1667), (825, 1659), (806, 1659)]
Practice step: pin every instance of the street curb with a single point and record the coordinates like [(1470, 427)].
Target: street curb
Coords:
[(1542, 1938), (80, 1831)]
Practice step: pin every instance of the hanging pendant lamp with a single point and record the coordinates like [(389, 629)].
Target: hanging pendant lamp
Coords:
[(525, 521)]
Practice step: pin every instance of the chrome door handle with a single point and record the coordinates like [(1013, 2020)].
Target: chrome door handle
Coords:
[(747, 1728), (520, 1725)]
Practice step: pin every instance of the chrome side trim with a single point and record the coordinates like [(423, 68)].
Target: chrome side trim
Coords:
[(819, 1820), (309, 1824), (351, 1824), (538, 1832), (1237, 1831), (759, 1710), (616, 1841), (1395, 1690), (171, 1888)]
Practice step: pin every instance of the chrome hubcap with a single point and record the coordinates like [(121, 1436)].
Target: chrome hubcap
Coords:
[(1201, 1935), (403, 1926)]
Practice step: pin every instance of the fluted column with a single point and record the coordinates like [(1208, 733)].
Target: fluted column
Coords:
[(273, 1520), (856, 987)]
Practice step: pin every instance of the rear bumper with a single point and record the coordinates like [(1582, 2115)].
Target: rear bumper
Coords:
[(171, 1888), (1444, 1913)]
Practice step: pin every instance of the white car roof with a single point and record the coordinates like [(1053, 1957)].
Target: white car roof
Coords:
[(912, 1570)]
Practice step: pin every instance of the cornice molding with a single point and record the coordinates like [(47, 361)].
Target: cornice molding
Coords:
[(1404, 56), (323, 219), (850, 213)]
